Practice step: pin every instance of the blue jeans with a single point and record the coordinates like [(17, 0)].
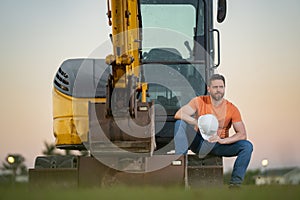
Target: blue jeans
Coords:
[(187, 138)]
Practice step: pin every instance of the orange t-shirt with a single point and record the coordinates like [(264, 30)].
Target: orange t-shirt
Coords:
[(226, 113)]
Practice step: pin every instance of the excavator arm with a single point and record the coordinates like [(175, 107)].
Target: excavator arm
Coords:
[(125, 19)]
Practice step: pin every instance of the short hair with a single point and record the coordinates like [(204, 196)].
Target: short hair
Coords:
[(216, 77)]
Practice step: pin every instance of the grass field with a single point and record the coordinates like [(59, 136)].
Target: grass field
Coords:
[(153, 193)]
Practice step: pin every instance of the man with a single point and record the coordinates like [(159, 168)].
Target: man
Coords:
[(221, 144)]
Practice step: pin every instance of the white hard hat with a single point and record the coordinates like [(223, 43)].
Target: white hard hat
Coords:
[(208, 125)]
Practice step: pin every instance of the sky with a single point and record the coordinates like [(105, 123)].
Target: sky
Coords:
[(259, 58)]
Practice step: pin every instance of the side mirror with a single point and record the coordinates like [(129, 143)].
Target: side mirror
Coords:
[(221, 15)]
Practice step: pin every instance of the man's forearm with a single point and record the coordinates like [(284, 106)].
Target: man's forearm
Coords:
[(189, 119), (186, 114), (232, 139)]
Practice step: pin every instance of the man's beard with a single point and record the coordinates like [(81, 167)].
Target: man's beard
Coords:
[(217, 96)]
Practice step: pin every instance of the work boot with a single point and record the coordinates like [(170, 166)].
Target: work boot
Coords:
[(234, 186)]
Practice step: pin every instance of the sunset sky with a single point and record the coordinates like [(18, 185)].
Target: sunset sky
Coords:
[(259, 58)]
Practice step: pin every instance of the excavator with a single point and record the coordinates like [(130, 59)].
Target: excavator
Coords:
[(120, 109)]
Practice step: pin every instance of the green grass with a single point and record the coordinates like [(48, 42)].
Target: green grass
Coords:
[(154, 193)]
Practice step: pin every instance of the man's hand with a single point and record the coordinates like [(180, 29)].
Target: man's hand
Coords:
[(216, 138), (240, 134)]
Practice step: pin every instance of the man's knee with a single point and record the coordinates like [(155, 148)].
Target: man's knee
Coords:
[(180, 122), (246, 145)]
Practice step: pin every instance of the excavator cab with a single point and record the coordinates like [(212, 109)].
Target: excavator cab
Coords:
[(177, 57)]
